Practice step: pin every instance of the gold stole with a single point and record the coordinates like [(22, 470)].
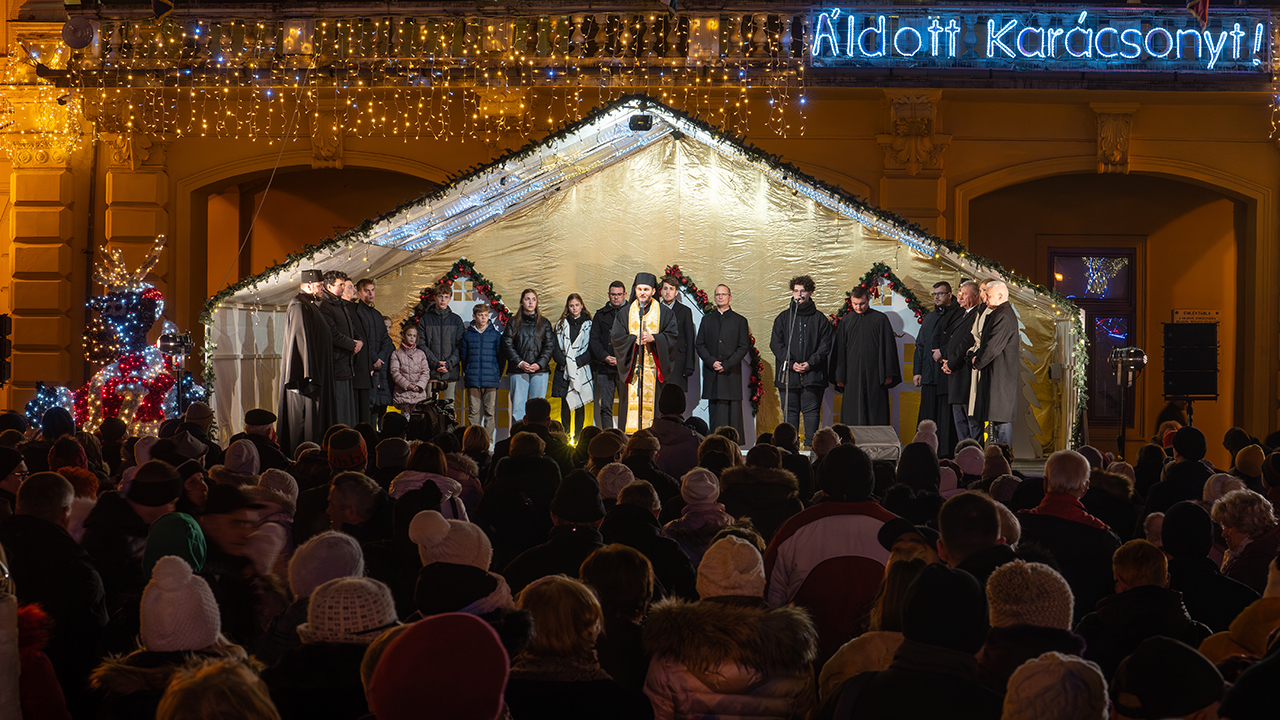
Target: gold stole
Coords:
[(642, 381)]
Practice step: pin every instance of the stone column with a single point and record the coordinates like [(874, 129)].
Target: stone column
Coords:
[(912, 184), (137, 200)]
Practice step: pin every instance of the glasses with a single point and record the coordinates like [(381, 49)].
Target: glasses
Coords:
[(940, 293), (722, 294), (21, 473)]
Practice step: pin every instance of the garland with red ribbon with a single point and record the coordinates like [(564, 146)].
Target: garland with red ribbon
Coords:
[(755, 383), (871, 281), (462, 268)]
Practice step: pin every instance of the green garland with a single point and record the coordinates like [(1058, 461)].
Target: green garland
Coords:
[(871, 281), (755, 383), (481, 284)]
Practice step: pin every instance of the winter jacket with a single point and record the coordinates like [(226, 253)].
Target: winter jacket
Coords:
[(1209, 596), (871, 651), (1067, 507), (532, 342), (684, 352), (1124, 620), (270, 456), (39, 693), (480, 355), (282, 635), (467, 473), (811, 338), (621, 651), (362, 361), (337, 314), (1248, 634), (696, 527), (828, 559), (451, 505), (560, 383), (247, 601), (644, 468), (1182, 481), (438, 334), (1255, 695), (115, 537), (379, 346), (601, 338), (924, 682), (768, 496), (955, 353), (567, 546), (1083, 554), (636, 527), (569, 688), (1109, 499), (1251, 565), (516, 507), (410, 370), (317, 680), (1007, 648), (131, 685), (714, 659), (679, 453)]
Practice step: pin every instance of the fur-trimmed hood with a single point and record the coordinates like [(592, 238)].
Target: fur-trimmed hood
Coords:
[(748, 475), (223, 476), (459, 463), (706, 636), (150, 671), (271, 496), (1119, 485)]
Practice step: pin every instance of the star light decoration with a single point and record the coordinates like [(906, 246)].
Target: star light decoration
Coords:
[(139, 383)]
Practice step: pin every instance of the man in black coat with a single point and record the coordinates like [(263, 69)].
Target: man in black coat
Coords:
[(377, 346), (801, 345), (577, 511), (1184, 479), (50, 569), (306, 369), (634, 522), (684, 353), (345, 346), (362, 360), (935, 404), (259, 431), (1209, 596), (955, 340), (439, 332), (723, 342), (865, 362), (606, 363), (998, 360)]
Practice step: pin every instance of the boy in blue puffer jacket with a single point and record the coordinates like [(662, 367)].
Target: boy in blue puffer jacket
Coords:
[(480, 367)]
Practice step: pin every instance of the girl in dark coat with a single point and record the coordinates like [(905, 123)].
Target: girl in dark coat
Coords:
[(527, 346)]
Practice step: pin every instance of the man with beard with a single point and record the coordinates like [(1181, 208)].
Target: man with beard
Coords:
[(723, 342), (957, 340), (345, 346), (866, 362), (927, 363), (643, 333), (306, 376), (606, 379), (683, 353), (378, 347), (801, 343)]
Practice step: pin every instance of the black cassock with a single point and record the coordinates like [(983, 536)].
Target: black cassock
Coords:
[(865, 354), (306, 376), (624, 349)]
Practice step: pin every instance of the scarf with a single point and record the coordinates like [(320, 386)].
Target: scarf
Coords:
[(499, 599), (581, 386), (582, 668)]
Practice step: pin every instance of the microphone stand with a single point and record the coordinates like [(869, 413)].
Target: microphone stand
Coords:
[(786, 368)]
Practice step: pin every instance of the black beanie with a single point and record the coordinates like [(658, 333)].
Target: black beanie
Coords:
[(449, 587), (11, 420), (9, 459), (1187, 530), (56, 423), (577, 500), (946, 607), (671, 400), (394, 424), (846, 473), (1189, 443)]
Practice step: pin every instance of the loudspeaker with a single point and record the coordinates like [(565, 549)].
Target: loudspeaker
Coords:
[(1191, 361)]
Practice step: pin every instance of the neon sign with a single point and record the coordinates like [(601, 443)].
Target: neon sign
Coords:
[(1043, 39)]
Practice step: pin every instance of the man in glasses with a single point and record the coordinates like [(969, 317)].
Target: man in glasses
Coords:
[(15, 471), (601, 345), (927, 364)]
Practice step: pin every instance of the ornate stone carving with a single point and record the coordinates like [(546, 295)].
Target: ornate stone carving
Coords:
[(327, 138), (913, 148), (1115, 126), (134, 151), (38, 153)]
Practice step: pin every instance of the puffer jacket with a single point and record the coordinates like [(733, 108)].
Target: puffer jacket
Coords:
[(410, 369), (769, 496), (451, 505), (531, 342), (695, 528), (729, 659), (481, 356), (1248, 634), (869, 652), (438, 334), (467, 473)]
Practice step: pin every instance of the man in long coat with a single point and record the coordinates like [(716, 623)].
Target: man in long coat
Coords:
[(801, 345), (306, 374), (684, 353), (345, 343), (865, 363), (998, 360), (377, 343), (723, 341), (927, 365), (956, 340), (643, 332)]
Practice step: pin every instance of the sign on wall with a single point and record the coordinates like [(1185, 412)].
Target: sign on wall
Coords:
[(1043, 39)]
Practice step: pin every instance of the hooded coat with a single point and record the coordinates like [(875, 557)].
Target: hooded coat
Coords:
[(131, 685), (679, 442), (769, 496), (451, 505), (715, 659)]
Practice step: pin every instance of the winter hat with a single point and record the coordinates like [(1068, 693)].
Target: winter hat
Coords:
[(1094, 456), (1187, 530), (154, 485), (846, 473), (945, 607), (281, 482), (1023, 593), (12, 420), (699, 486), (198, 413), (927, 432), (454, 661), (1164, 678), (451, 541), (347, 450), (324, 557), (1236, 440), (394, 424), (1056, 687), (448, 587), (1271, 469), (1189, 443), (67, 452), (174, 534), (112, 429), (56, 423), (242, 458), (994, 465), (178, 612), (732, 566), (142, 449), (577, 499), (606, 445), (1121, 467), (643, 440), (11, 438), (1249, 461), (168, 428), (9, 460), (889, 533), (612, 478), (187, 446), (971, 461), (1003, 488), (1220, 484), (671, 400), (304, 448), (352, 610), (393, 453)]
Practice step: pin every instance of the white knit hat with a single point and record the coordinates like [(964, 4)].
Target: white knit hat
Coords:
[(732, 566), (612, 478), (971, 460), (452, 541), (281, 482), (242, 458), (324, 557), (699, 485), (353, 610), (1029, 593), (178, 609), (1056, 687)]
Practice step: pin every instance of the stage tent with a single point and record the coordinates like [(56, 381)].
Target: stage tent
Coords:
[(637, 186)]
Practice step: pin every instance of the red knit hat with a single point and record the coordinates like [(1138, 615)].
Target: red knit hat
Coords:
[(347, 450), (453, 663)]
